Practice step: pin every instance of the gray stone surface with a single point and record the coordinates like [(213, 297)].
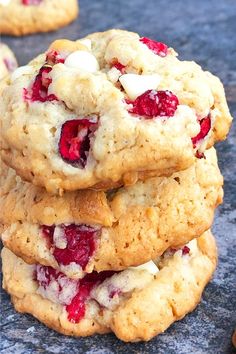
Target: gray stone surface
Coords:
[(204, 31)]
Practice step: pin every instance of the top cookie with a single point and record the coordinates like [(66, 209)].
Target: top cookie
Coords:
[(20, 17), (107, 110), (8, 61)]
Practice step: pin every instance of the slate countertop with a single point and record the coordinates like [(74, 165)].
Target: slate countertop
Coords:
[(203, 31)]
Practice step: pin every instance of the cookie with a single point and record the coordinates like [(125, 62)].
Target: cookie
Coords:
[(8, 61), (106, 111), (89, 230), (136, 304), (21, 17)]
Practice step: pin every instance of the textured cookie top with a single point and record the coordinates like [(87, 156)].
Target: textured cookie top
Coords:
[(107, 110), (8, 61), (20, 17), (88, 230), (151, 297)]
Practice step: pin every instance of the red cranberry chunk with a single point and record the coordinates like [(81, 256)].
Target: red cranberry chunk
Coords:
[(76, 309), (185, 250), (200, 155), (81, 243), (74, 142), (31, 2), (116, 64), (158, 48), (39, 90), (99, 277), (53, 57), (205, 126), (154, 103)]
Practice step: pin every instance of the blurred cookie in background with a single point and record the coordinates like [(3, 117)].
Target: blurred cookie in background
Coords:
[(21, 17), (8, 61)]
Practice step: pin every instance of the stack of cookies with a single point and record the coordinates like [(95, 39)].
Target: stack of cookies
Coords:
[(109, 183)]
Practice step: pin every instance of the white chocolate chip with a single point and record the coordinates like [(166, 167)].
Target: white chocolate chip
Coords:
[(135, 85), (86, 42), (22, 70), (72, 270), (113, 74), (59, 238), (150, 267), (83, 60)]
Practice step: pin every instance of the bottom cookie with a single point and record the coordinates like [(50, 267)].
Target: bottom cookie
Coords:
[(136, 304)]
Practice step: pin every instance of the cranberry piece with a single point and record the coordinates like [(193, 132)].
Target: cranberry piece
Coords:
[(31, 2), (76, 309), (158, 48), (154, 103), (81, 243), (185, 250), (39, 90), (200, 155), (53, 57), (99, 277), (205, 126), (74, 142), (116, 64)]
